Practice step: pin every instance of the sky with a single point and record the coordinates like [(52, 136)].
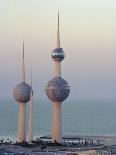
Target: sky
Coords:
[(88, 37)]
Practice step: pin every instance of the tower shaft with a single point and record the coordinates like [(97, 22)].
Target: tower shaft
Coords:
[(23, 72), (23, 67), (56, 122), (30, 132), (58, 33), (22, 123), (57, 90), (22, 108), (56, 107), (57, 111), (57, 69)]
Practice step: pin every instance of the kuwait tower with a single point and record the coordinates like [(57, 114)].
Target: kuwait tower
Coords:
[(21, 94), (30, 129), (57, 90)]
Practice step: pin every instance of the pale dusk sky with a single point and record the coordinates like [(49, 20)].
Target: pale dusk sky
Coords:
[(88, 37)]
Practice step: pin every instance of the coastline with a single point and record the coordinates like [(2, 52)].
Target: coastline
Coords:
[(70, 145)]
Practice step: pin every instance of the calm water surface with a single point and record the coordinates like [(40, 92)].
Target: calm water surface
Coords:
[(79, 118)]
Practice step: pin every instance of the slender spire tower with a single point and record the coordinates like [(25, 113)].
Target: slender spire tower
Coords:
[(58, 33), (23, 67), (30, 132), (21, 94), (57, 90)]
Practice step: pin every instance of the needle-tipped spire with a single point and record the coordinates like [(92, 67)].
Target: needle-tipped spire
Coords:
[(31, 78), (23, 67), (58, 33), (23, 49)]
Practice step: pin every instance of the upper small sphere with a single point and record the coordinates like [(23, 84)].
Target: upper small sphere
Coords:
[(57, 89), (22, 92), (58, 54)]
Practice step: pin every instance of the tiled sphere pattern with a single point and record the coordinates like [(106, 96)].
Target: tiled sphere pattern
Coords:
[(22, 92), (57, 89)]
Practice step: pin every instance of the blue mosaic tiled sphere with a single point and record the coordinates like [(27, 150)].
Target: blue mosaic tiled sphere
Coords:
[(57, 89), (58, 54), (22, 92)]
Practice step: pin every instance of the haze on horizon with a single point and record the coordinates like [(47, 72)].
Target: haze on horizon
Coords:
[(88, 37)]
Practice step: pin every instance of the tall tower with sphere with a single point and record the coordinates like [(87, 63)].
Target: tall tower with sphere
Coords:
[(57, 90), (21, 94), (30, 128)]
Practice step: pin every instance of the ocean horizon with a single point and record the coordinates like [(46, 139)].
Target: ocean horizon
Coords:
[(81, 117)]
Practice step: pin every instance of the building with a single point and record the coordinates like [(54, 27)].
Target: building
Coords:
[(57, 90), (21, 94)]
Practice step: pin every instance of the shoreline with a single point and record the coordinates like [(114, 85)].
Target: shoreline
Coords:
[(46, 147), (73, 137)]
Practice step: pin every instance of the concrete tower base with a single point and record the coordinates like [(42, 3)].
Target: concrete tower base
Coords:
[(56, 122), (22, 123)]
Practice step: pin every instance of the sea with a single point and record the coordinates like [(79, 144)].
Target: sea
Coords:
[(81, 117)]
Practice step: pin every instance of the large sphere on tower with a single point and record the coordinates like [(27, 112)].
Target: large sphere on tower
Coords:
[(22, 92), (57, 89), (58, 54)]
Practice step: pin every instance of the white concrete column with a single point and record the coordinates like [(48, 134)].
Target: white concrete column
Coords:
[(30, 132), (56, 122), (22, 123), (57, 69)]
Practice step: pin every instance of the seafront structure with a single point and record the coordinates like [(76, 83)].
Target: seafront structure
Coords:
[(57, 90), (30, 130), (21, 94)]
